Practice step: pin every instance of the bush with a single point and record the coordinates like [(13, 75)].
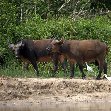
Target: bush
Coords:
[(38, 28)]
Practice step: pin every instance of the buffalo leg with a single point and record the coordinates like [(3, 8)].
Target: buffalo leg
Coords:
[(105, 68), (96, 64), (35, 67), (55, 67), (64, 67), (81, 69), (101, 66), (71, 70), (55, 62)]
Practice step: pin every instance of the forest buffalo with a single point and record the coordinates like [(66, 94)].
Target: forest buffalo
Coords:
[(34, 51), (81, 51)]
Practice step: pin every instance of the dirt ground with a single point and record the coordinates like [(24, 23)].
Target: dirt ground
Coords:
[(53, 90)]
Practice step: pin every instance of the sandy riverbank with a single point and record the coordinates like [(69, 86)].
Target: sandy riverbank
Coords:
[(53, 90)]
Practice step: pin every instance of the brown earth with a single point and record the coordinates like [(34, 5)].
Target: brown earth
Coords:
[(53, 90)]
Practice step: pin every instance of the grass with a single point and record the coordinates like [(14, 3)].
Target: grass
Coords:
[(45, 70)]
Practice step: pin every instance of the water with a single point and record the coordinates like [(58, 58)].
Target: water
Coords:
[(94, 106)]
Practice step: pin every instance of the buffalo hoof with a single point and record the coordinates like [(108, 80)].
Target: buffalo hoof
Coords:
[(71, 77), (98, 78), (83, 78)]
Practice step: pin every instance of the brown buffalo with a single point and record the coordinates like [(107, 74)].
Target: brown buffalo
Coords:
[(81, 51), (34, 51)]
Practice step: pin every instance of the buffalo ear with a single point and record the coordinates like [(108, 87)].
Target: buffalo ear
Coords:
[(11, 46), (22, 44), (57, 42), (61, 42)]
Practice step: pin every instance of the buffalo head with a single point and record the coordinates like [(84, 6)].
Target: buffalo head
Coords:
[(16, 48), (54, 46)]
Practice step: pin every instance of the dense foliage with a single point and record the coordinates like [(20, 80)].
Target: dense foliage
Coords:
[(39, 19)]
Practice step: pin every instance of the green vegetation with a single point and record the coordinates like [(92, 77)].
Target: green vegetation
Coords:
[(40, 19)]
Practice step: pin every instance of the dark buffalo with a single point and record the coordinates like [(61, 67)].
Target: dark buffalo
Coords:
[(81, 51), (34, 51)]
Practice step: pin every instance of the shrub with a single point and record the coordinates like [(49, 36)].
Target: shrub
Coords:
[(37, 28)]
